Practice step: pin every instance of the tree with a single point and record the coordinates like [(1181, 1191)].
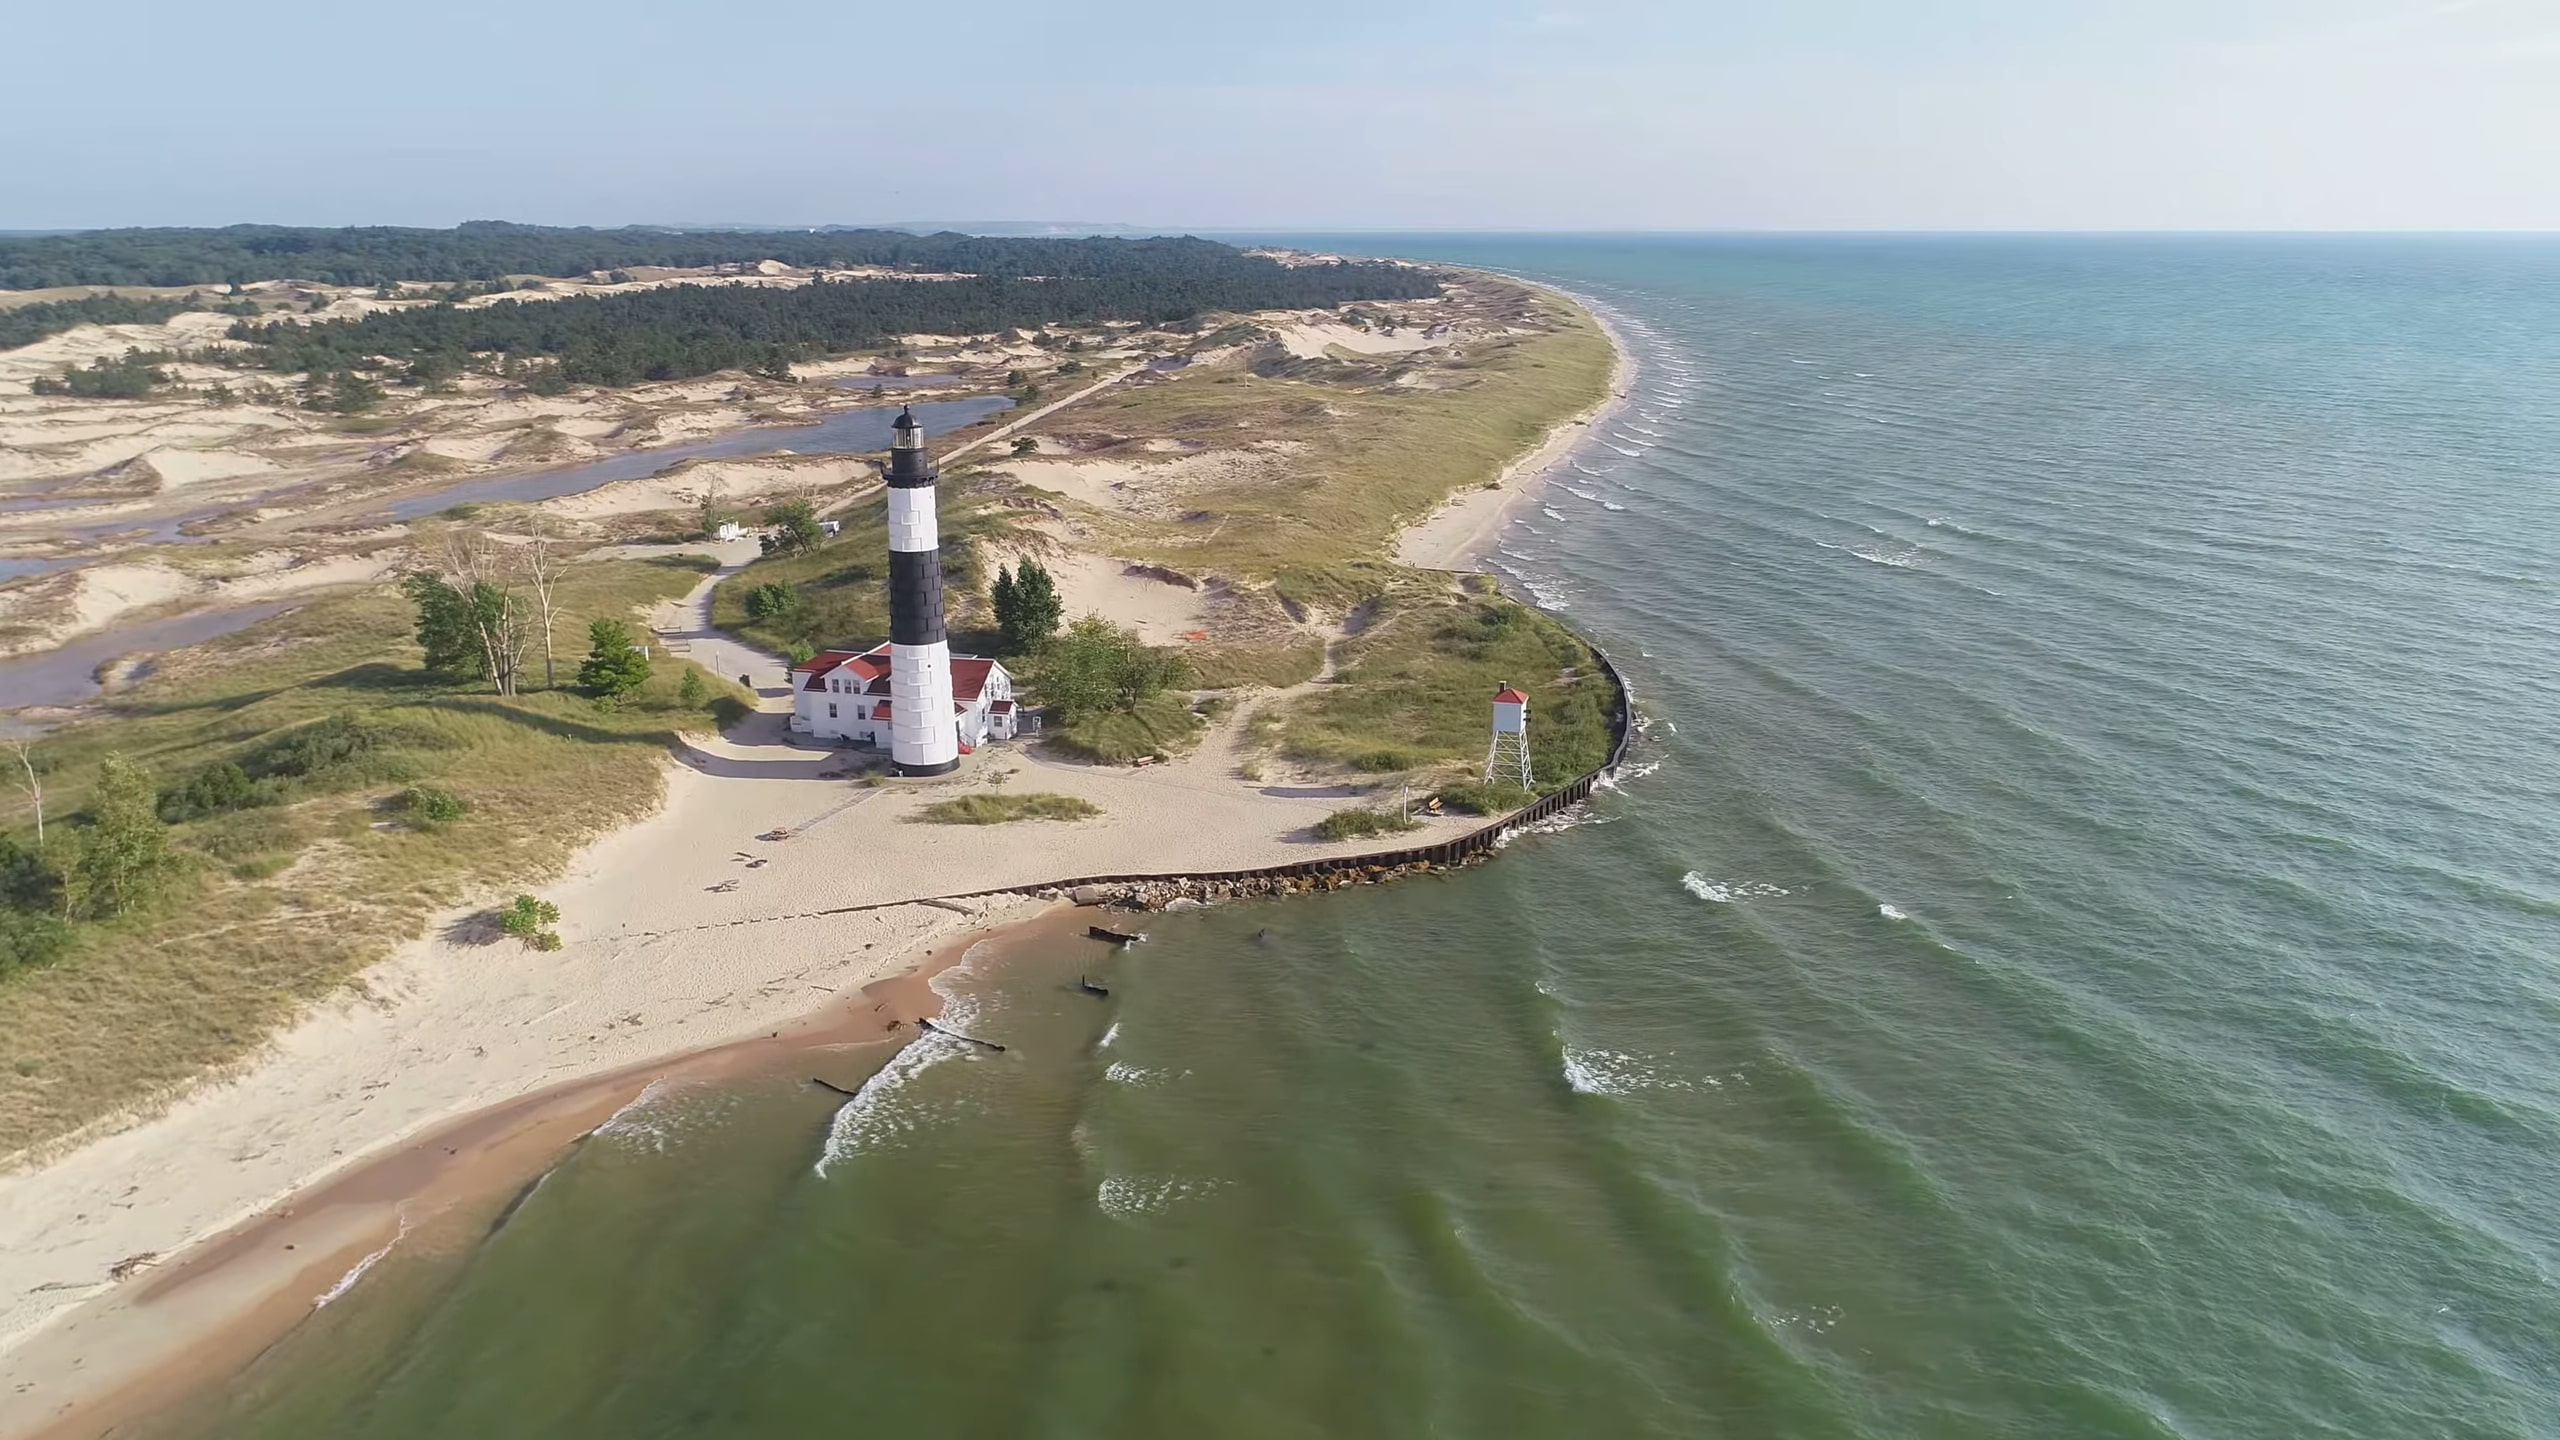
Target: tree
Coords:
[(471, 627), (543, 568), (1027, 607), (31, 782), (1025, 445), (691, 693), (614, 666), (218, 393), (1097, 667), (125, 850), (795, 528)]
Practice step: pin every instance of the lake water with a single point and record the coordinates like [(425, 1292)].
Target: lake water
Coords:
[(847, 432), (2076, 953)]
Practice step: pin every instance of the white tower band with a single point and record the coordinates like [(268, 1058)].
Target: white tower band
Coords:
[(923, 738)]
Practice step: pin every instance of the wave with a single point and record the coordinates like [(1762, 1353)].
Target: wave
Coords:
[(1581, 493), (1109, 1034), (1891, 912), (348, 1281), (1551, 512), (1905, 557), (1623, 450), (1725, 892), (1131, 1196), (1121, 1072), (1596, 1071), (1611, 505), (875, 1114), (645, 1123)]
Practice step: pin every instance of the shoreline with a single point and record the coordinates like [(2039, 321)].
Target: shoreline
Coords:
[(530, 1097), (230, 1294), (1465, 528)]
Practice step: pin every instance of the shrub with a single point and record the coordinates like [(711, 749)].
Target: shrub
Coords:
[(772, 601), (28, 940), (997, 809), (1359, 823), (691, 693), (212, 790), (530, 920), (1476, 798), (433, 806)]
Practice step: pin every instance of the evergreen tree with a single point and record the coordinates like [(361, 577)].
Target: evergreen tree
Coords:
[(448, 629), (614, 666), (1036, 609), (1006, 598)]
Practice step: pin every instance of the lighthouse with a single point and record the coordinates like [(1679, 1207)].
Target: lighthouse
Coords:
[(923, 740)]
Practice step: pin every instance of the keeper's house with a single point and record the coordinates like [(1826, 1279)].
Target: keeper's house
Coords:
[(843, 696)]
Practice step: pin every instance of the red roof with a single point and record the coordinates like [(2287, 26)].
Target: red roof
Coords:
[(865, 666), (1509, 696), (870, 669), (1002, 707)]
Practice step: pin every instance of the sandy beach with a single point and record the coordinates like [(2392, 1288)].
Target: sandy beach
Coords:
[(1464, 531), (762, 895)]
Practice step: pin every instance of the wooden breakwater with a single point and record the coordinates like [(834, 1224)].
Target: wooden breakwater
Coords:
[(1157, 892)]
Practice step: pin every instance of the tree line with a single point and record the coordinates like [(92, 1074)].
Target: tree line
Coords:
[(688, 330), (492, 250)]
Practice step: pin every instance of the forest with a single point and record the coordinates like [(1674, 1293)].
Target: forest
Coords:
[(494, 250), (27, 324), (687, 330)]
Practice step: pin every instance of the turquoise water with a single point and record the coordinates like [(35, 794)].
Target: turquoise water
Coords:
[(2074, 954)]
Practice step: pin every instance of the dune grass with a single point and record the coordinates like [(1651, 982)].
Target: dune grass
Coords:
[(1162, 725), (1375, 455), (1417, 689), (1003, 808), (1360, 823), (274, 906), (843, 585)]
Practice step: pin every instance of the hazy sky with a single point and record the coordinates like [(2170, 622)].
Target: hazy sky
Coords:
[(1545, 114)]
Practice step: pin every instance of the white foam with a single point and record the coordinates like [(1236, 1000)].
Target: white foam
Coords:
[(1551, 512), (348, 1281), (1596, 1071), (876, 1114), (1891, 913), (1131, 1196), (1623, 450), (1109, 1034), (1121, 1072), (646, 1123), (1725, 892), (1612, 504), (1579, 492)]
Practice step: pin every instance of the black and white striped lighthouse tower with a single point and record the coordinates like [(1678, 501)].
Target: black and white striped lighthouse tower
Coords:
[(923, 737)]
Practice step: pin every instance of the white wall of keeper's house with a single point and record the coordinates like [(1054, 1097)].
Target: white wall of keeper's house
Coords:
[(839, 710)]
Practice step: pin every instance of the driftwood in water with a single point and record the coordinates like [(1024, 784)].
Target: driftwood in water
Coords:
[(1089, 987), (956, 1035), (831, 1085), (1112, 936)]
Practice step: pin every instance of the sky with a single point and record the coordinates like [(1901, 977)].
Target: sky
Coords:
[(1176, 115)]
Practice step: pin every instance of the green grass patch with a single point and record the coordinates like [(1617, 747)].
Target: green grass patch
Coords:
[(1359, 824), (1000, 809), (1221, 667), (1417, 690), (275, 905), (1474, 797), (1162, 725)]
